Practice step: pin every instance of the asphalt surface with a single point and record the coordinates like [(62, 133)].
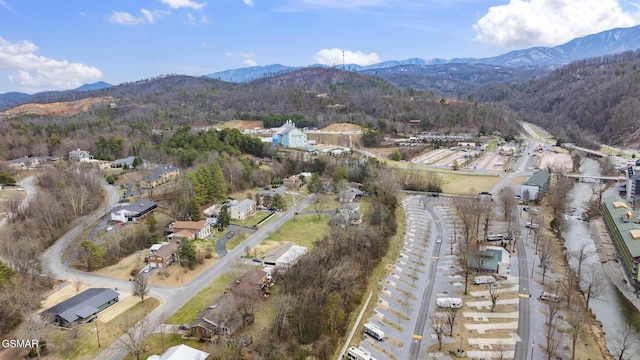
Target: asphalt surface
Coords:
[(175, 298)]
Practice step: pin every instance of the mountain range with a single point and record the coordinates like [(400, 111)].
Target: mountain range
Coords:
[(455, 77), (607, 42)]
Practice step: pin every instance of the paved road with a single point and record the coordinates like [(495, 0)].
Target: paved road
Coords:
[(179, 296), (414, 350)]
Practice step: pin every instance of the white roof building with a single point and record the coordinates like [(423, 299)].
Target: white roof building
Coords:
[(180, 352)]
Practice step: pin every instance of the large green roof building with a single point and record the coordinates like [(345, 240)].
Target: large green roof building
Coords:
[(624, 228)]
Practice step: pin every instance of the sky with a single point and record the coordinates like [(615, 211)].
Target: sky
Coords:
[(58, 45)]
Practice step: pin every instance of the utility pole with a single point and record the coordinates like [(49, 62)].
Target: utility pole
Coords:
[(97, 333)]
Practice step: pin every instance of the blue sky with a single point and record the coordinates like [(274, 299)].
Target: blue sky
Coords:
[(55, 45)]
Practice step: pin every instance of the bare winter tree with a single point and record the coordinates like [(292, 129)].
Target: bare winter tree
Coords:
[(592, 284), (552, 334), (494, 295), (624, 348), (133, 337), (579, 256), (486, 215), (438, 323), (321, 204), (569, 285), (577, 324), (546, 255), (508, 206), (140, 286), (452, 315), (500, 351)]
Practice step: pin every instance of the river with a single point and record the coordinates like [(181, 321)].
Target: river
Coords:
[(607, 310)]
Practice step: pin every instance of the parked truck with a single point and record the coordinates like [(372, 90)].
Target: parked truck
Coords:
[(454, 303)]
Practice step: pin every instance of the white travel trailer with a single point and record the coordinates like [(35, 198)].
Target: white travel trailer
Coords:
[(485, 279), (454, 303), (373, 331), (355, 353)]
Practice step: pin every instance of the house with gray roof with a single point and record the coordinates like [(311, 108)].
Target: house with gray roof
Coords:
[(133, 212), (161, 174), (126, 163), (242, 209), (81, 308)]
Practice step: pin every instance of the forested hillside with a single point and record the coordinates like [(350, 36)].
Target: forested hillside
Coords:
[(148, 112), (593, 100)]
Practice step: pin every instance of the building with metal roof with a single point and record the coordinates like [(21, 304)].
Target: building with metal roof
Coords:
[(82, 308), (536, 185), (623, 226)]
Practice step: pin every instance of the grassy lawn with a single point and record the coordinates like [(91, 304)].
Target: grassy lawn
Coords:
[(202, 299), (253, 219), (82, 342), (303, 231)]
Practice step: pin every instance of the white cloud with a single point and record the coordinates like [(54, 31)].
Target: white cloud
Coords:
[(249, 62), (4, 4), (335, 56), (176, 4), (33, 73), (523, 23), (246, 2), (148, 16), (125, 18)]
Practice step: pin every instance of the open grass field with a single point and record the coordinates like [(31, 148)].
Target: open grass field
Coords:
[(204, 298), (303, 231)]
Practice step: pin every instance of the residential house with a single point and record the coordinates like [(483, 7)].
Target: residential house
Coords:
[(350, 195), (347, 214), (161, 174), (133, 212), (537, 185), (191, 229), (164, 256), (266, 195), (288, 136), (80, 155), (180, 352), (81, 308), (224, 316), (127, 163), (26, 162), (284, 256), (240, 210), (623, 225), (156, 247)]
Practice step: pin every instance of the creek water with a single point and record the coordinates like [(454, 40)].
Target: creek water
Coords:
[(576, 233)]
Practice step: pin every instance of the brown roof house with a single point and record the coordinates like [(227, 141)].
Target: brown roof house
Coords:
[(164, 256), (191, 229), (233, 310)]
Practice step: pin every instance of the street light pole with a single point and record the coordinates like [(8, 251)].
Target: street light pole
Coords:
[(532, 347)]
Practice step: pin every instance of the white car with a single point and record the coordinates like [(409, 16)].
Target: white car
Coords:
[(439, 240)]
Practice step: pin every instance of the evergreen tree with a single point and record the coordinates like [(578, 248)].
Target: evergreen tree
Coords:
[(223, 218), (187, 254), (278, 202)]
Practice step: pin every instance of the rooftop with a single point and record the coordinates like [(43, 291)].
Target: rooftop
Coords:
[(626, 221), (82, 305)]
